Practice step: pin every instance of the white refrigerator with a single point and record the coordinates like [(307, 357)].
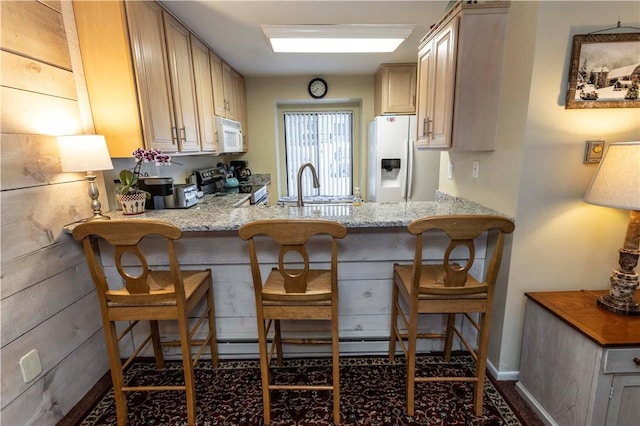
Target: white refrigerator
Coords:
[(396, 170)]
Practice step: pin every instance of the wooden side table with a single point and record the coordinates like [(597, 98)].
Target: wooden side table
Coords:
[(580, 364)]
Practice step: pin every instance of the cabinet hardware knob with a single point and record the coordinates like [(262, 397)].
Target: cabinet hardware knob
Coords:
[(636, 360)]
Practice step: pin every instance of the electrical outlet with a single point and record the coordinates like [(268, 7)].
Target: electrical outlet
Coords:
[(30, 365), (475, 169), (450, 171)]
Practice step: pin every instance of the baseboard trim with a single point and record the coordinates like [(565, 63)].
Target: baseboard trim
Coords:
[(502, 375), (535, 405)]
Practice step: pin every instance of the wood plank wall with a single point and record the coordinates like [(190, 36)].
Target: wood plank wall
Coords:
[(48, 301)]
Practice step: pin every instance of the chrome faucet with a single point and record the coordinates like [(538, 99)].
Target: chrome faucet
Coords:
[(316, 183)]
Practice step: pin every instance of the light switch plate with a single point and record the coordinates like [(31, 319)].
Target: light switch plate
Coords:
[(593, 151)]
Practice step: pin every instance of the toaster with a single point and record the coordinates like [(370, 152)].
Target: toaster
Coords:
[(185, 195)]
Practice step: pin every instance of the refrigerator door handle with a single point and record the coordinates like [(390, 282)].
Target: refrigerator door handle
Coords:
[(409, 185)]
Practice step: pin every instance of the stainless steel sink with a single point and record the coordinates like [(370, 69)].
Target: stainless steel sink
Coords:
[(317, 199), (319, 210)]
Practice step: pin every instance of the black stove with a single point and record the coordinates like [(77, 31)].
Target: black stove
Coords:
[(211, 181)]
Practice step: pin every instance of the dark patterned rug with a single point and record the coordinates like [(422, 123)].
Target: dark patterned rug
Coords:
[(372, 393)]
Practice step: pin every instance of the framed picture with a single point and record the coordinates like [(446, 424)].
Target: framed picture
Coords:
[(604, 71)]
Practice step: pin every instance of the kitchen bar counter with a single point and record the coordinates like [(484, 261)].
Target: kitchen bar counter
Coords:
[(377, 238), (215, 213)]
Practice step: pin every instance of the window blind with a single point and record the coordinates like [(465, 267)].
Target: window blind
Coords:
[(324, 139)]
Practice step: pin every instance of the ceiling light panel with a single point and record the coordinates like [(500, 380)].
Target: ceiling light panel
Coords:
[(349, 38)]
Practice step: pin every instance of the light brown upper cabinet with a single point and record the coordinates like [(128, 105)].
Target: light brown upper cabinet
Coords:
[(459, 77), (148, 86), (182, 83), (229, 94), (227, 83), (225, 86), (395, 89), (204, 94), (118, 112), (219, 102), (240, 103)]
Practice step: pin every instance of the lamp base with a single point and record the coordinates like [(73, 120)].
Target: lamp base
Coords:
[(96, 216), (610, 304), (624, 280)]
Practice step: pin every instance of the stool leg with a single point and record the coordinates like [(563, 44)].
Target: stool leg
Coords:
[(394, 323), (264, 368), (277, 337), (113, 348), (187, 363), (155, 341), (335, 346), (213, 341), (411, 359), (481, 364), (448, 343)]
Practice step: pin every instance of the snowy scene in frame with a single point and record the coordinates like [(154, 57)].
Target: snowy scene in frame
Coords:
[(604, 71)]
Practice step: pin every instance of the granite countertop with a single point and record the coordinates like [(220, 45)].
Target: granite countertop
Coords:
[(217, 214), (259, 179)]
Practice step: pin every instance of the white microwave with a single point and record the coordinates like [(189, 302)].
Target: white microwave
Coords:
[(229, 136)]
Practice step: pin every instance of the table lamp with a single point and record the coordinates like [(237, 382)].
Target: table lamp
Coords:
[(617, 184), (86, 153)]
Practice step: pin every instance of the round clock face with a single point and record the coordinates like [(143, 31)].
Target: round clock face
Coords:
[(317, 88)]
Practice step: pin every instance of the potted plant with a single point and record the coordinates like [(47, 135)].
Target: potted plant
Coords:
[(132, 198)]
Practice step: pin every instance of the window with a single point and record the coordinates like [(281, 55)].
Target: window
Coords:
[(324, 139)]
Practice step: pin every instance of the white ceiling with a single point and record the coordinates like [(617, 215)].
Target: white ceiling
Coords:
[(232, 29)]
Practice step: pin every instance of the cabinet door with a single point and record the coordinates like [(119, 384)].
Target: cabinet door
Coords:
[(204, 94), (182, 84), (152, 74), (425, 64), (623, 403), (227, 82), (218, 86), (109, 74), (240, 103), (440, 100), (399, 90)]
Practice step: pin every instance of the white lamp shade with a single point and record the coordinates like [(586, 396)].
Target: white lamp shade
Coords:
[(84, 153), (617, 180)]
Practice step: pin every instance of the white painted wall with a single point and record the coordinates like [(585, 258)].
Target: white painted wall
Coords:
[(536, 172)]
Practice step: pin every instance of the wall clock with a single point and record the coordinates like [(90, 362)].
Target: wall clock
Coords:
[(317, 88)]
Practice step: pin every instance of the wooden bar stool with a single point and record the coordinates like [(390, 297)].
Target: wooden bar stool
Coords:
[(294, 291), (447, 288), (143, 294)]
